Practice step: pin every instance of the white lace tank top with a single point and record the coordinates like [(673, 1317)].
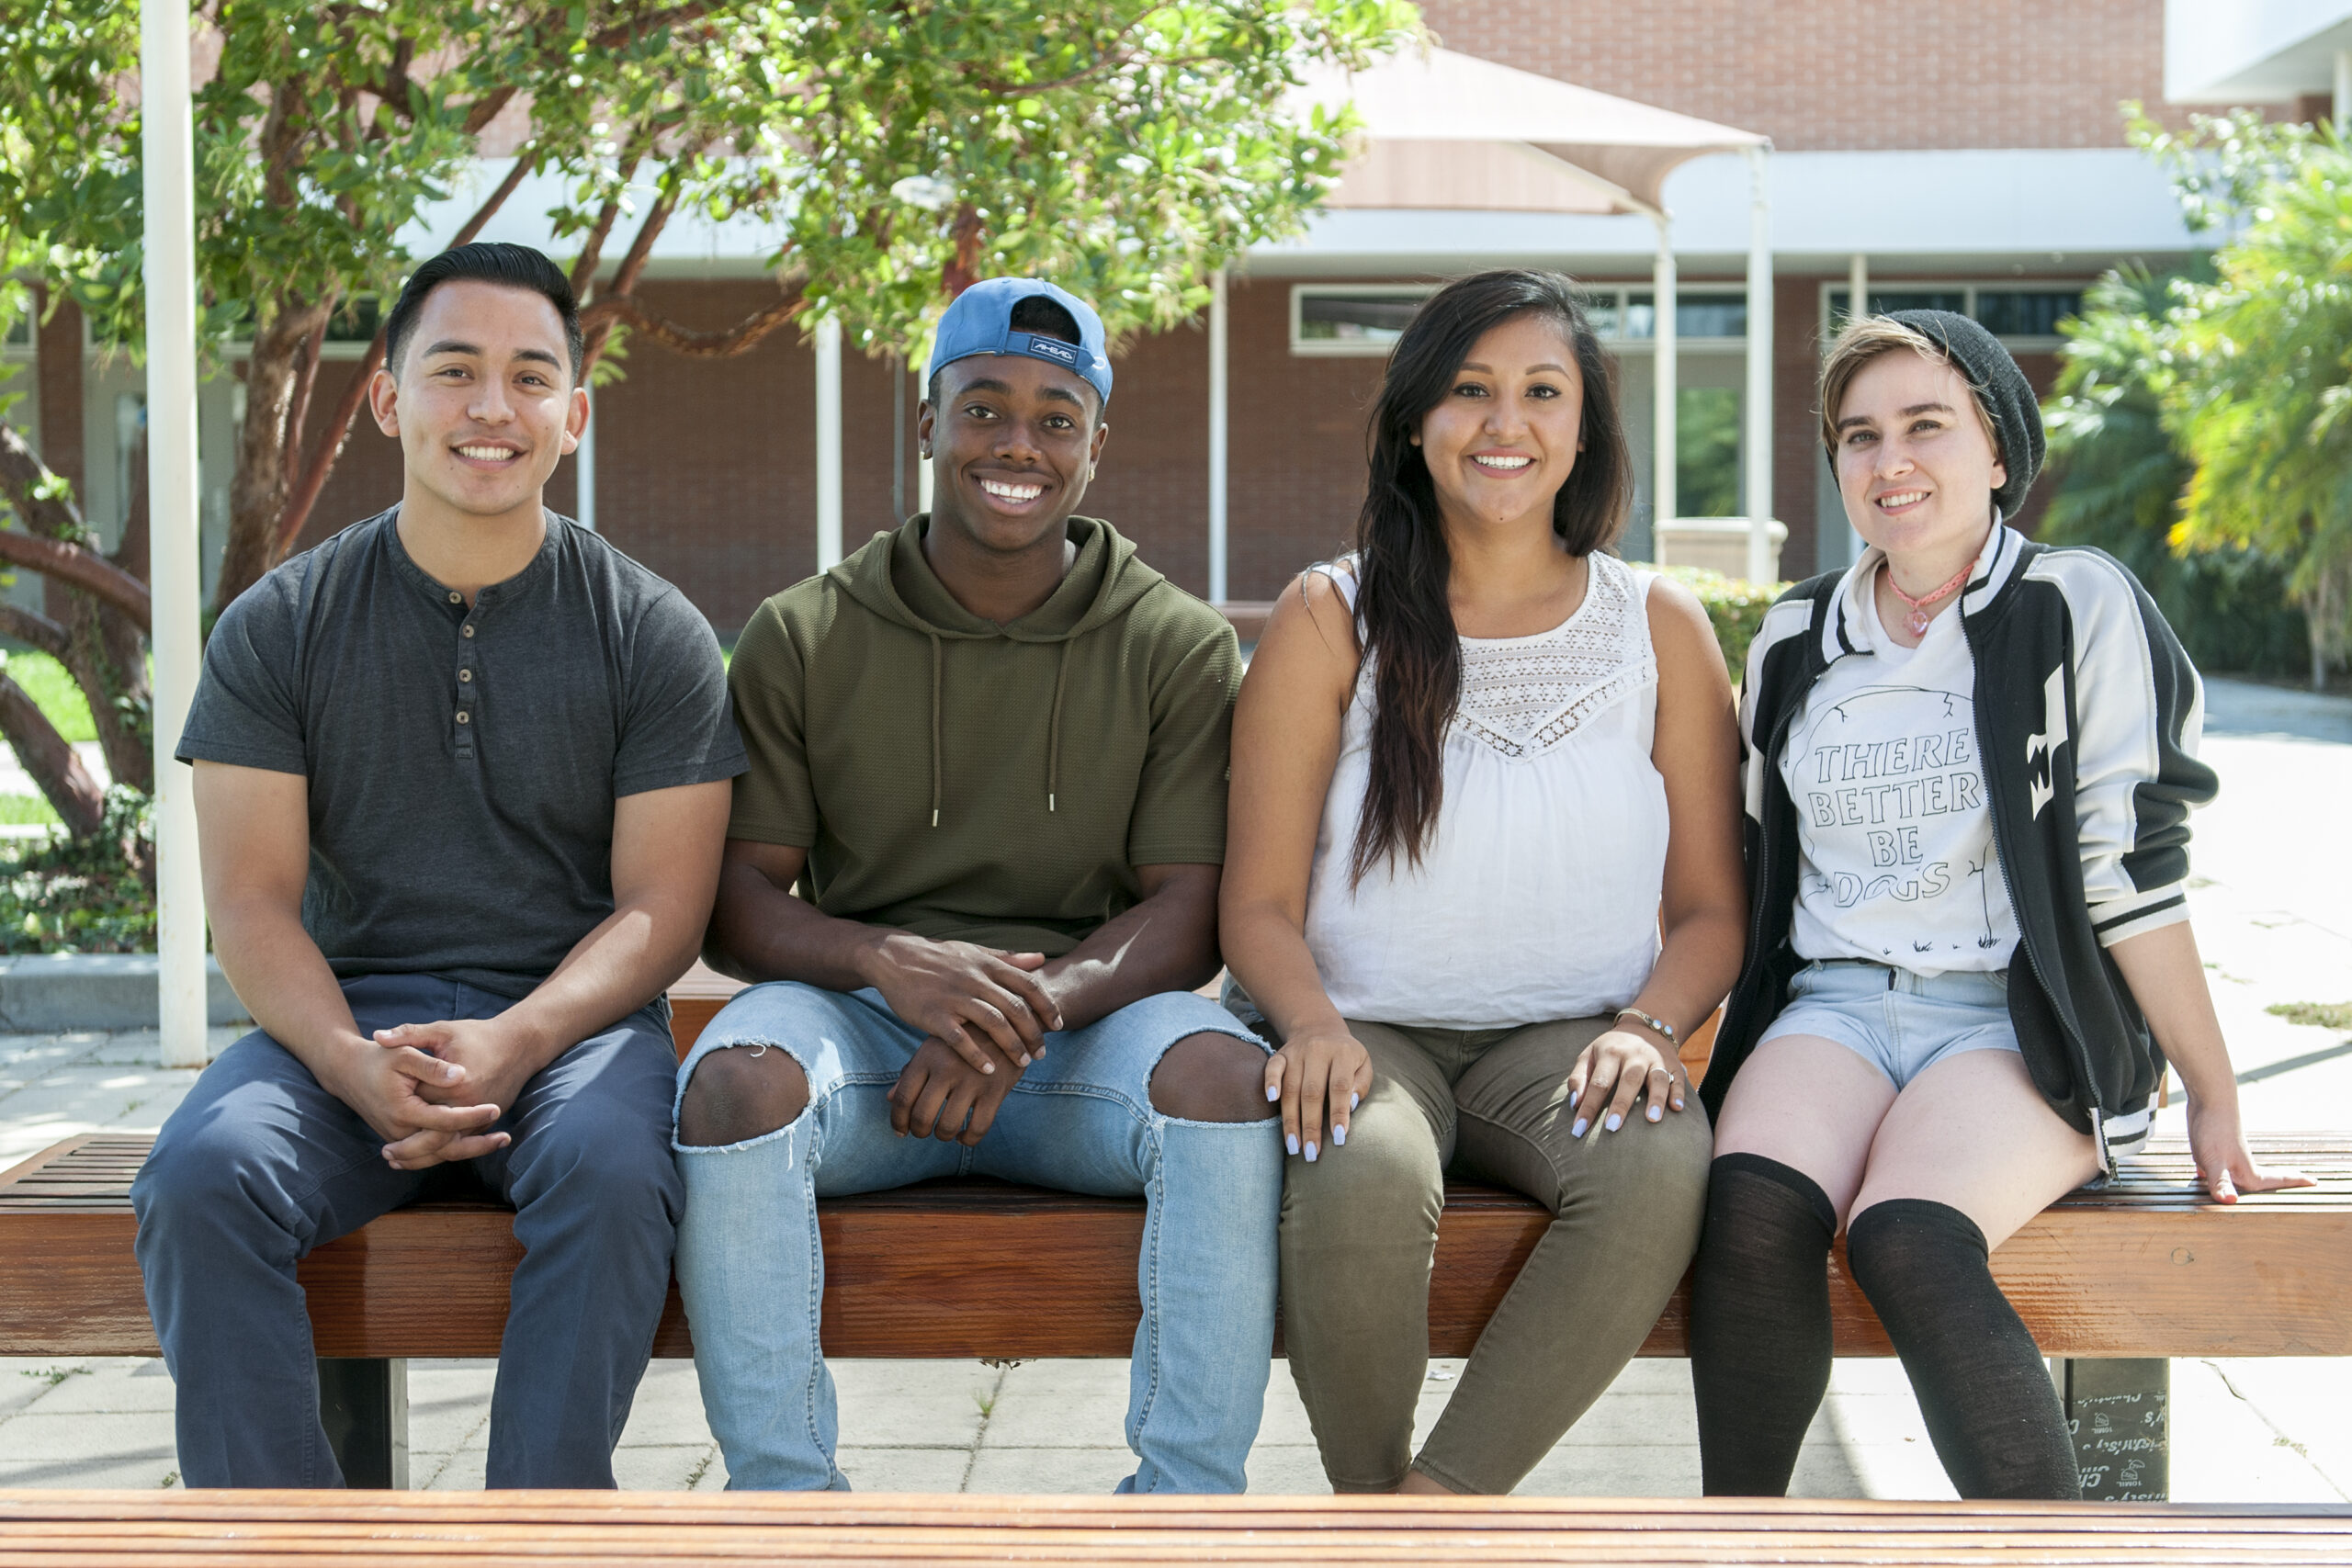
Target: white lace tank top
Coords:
[(1537, 896)]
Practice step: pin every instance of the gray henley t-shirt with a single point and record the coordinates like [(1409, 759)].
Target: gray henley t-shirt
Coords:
[(463, 763)]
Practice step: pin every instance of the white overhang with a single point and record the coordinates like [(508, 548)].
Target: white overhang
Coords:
[(2060, 211), (2243, 51), (1453, 130)]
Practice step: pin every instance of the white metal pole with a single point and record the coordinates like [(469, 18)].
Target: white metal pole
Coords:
[(1759, 368), (167, 155), (923, 478), (829, 442), (2344, 91), (1220, 327), (1858, 305), (583, 471), (1663, 501)]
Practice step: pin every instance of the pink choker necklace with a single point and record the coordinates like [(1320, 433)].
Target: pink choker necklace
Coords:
[(1920, 614)]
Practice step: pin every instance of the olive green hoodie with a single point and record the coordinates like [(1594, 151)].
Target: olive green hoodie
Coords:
[(982, 782)]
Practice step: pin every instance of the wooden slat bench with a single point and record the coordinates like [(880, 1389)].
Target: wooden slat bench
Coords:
[(2114, 1281), (87, 1529)]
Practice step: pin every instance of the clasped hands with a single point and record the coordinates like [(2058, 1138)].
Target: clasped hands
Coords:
[(985, 1015), (433, 1091)]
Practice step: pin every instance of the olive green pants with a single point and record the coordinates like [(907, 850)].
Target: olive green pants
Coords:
[(1359, 1227)]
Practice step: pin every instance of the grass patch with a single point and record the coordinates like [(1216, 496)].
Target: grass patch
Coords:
[(53, 692), (25, 810), (2319, 1015)]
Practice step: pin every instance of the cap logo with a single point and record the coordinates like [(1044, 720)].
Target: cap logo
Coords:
[(1054, 348)]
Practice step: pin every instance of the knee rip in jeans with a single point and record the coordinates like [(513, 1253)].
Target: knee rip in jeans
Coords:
[(1212, 1078), (740, 1093)]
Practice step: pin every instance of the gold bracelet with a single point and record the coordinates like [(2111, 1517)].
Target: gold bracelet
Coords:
[(1648, 1021)]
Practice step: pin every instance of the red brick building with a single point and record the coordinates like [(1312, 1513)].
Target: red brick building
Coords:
[(1976, 160)]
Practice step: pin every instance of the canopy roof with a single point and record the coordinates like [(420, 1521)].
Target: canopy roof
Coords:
[(1447, 130)]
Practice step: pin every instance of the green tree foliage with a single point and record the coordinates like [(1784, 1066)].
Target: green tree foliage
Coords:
[(2120, 478), (893, 150), (2261, 400)]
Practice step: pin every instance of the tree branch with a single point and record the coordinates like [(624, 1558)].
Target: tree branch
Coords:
[(721, 345), (1112, 55), (306, 381), (55, 766), (33, 629), (619, 37), (632, 267), (304, 493), (21, 474)]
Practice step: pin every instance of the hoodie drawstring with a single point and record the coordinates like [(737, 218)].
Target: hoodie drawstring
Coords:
[(935, 679), (1054, 726)]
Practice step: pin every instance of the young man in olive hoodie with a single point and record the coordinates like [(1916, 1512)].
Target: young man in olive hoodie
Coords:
[(990, 747)]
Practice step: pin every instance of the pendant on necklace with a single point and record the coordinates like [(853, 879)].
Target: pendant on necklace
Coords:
[(1918, 620)]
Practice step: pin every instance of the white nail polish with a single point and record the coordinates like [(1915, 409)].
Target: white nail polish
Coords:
[(1273, 1092)]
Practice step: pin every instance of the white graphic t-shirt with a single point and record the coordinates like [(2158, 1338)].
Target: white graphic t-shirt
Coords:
[(1898, 863)]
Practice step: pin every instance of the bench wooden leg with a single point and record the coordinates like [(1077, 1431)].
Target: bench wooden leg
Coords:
[(364, 1404), (2120, 1415)]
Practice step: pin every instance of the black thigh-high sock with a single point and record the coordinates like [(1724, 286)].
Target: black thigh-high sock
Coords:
[(1982, 1385), (1759, 1323)]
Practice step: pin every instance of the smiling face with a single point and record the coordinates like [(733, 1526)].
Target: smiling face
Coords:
[(483, 399), (1916, 466), (1013, 442), (1501, 442)]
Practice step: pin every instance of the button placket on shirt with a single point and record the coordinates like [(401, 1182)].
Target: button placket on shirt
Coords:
[(467, 680)]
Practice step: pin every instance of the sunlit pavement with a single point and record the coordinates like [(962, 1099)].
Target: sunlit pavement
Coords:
[(2273, 902)]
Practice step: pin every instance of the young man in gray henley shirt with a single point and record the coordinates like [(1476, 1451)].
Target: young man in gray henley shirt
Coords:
[(460, 786)]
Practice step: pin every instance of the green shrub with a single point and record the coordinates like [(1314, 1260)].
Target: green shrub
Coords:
[(1734, 605), (59, 896)]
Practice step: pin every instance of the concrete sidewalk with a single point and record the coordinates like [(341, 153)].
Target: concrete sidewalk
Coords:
[(2273, 904)]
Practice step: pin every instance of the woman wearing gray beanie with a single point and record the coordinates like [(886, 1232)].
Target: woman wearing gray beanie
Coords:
[(1970, 760)]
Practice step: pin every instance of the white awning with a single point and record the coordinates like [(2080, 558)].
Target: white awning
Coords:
[(1451, 132)]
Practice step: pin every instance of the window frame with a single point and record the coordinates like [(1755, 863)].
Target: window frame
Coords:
[(1968, 288), (1616, 293)]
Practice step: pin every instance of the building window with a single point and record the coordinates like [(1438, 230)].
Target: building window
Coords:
[(1698, 313), (20, 332), (2027, 312), (1351, 319), (2023, 317), (1342, 318)]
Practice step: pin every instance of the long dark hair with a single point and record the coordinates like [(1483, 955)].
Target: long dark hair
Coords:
[(1403, 564)]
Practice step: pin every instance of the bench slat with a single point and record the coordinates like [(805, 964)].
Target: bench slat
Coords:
[(980, 1269), (83, 1529)]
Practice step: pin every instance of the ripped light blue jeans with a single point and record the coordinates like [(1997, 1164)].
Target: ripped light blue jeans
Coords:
[(752, 1270)]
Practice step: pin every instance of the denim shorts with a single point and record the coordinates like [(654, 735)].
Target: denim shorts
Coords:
[(1900, 1022)]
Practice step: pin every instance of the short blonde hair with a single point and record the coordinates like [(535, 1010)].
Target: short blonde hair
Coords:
[(1867, 338)]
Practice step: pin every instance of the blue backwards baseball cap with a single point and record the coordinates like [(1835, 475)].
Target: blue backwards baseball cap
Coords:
[(980, 322)]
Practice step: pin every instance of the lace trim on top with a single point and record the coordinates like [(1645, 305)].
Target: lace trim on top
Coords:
[(1524, 695)]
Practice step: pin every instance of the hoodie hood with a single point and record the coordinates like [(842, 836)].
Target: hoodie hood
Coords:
[(890, 576)]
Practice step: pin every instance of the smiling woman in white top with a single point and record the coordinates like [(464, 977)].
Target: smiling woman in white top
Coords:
[(1482, 879), (1971, 763)]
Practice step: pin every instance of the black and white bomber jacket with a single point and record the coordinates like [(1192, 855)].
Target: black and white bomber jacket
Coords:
[(2087, 717)]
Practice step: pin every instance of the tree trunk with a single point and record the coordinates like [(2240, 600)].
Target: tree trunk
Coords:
[(107, 655), (2325, 606), (55, 770), (257, 493)]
